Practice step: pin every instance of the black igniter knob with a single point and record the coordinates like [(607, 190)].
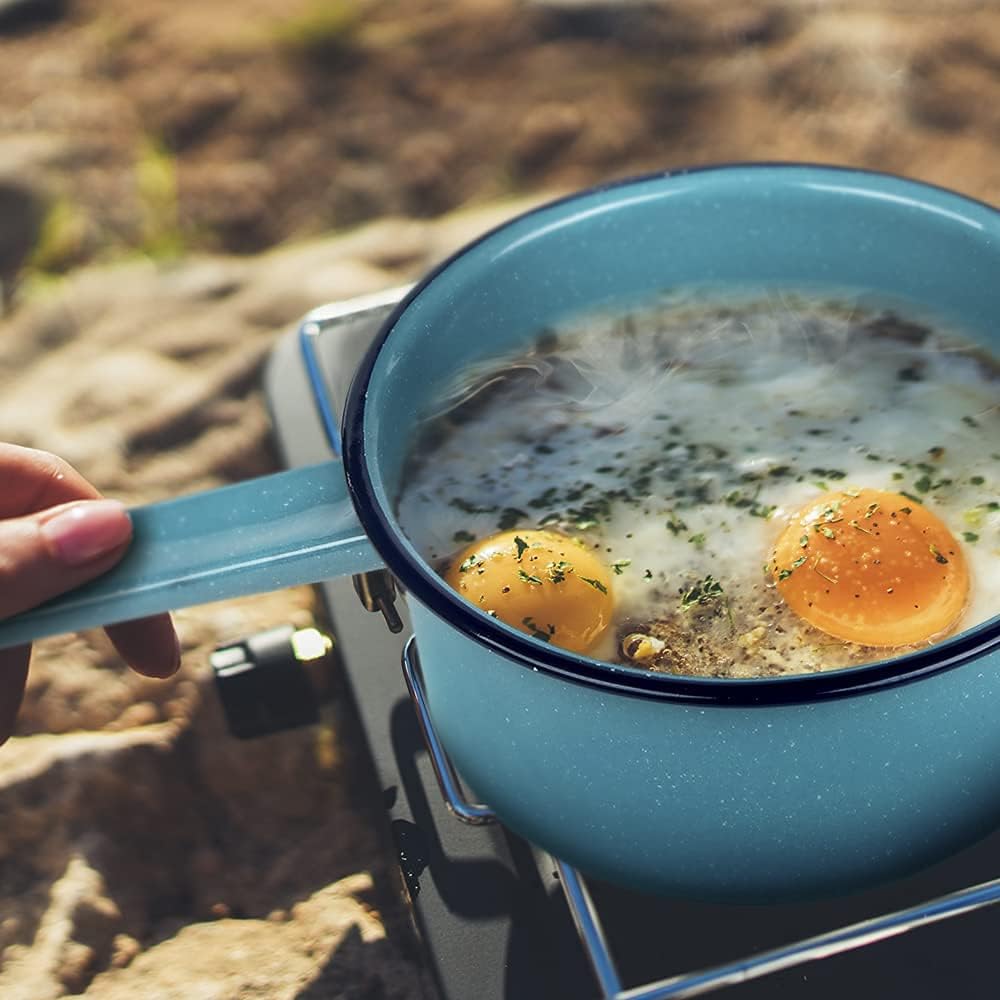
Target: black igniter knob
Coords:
[(262, 680)]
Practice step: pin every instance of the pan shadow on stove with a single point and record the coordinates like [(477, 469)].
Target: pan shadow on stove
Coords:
[(543, 956), (451, 875)]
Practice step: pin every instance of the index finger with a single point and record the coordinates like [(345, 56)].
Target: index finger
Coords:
[(34, 480)]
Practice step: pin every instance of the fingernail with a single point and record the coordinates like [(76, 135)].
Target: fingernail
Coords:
[(87, 530)]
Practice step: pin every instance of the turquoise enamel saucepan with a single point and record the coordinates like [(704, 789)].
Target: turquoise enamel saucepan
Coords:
[(730, 789)]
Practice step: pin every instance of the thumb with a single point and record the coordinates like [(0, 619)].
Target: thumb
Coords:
[(44, 554)]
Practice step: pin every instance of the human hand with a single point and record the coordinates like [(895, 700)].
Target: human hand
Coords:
[(56, 532)]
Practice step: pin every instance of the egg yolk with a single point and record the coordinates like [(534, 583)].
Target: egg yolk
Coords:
[(542, 583), (871, 567)]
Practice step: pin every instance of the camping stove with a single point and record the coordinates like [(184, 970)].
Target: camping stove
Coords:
[(497, 917)]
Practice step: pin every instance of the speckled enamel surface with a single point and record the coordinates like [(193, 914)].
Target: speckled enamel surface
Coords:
[(746, 802)]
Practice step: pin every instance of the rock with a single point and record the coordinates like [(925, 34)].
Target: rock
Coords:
[(72, 938), (544, 133), (201, 103), (22, 210), (22, 15), (234, 199), (427, 161), (76, 966), (123, 949)]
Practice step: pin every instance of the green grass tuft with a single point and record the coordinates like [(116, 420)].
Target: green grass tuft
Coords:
[(323, 27), (63, 239), (157, 189)]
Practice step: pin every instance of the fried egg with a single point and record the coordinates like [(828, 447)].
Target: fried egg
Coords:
[(738, 470)]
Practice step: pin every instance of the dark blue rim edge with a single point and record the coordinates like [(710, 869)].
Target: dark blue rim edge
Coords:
[(432, 592)]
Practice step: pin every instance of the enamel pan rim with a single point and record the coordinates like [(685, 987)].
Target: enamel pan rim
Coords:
[(435, 594)]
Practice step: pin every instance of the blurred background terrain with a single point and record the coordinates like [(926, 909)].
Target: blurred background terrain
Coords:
[(179, 182)]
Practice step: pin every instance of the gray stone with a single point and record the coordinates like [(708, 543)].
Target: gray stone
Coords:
[(24, 15), (21, 213)]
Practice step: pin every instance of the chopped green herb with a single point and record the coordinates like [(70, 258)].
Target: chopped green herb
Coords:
[(556, 571), (522, 546), (675, 525), (619, 565), (909, 496), (703, 592), (596, 584), (977, 480), (923, 484), (974, 517), (470, 508), (906, 510), (831, 514), (463, 536), (784, 574), (648, 575), (546, 499), (825, 531), (970, 421), (803, 541), (762, 510), (509, 517), (698, 540), (970, 536), (537, 633), (469, 563), (527, 577), (938, 556)]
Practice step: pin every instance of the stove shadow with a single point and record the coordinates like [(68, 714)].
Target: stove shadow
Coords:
[(485, 876)]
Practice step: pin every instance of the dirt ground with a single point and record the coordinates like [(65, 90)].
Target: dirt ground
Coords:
[(178, 182), (169, 127)]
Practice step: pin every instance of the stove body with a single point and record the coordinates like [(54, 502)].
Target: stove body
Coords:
[(490, 910)]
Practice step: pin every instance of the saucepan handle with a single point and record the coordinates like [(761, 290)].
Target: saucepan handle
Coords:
[(263, 534)]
